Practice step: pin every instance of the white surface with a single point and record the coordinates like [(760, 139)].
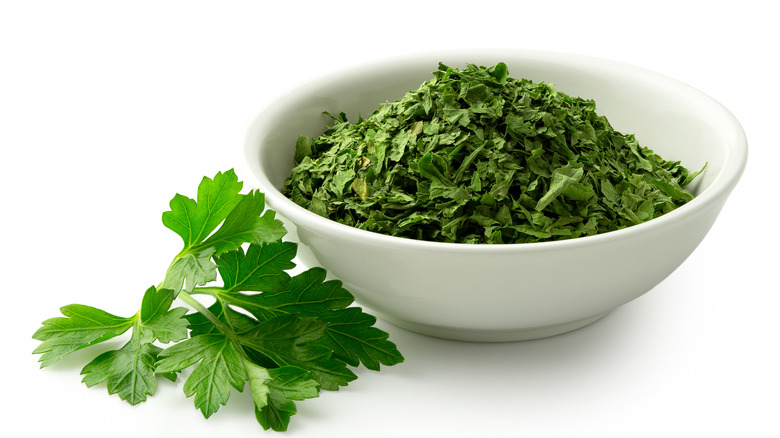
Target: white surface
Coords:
[(508, 292), (107, 110)]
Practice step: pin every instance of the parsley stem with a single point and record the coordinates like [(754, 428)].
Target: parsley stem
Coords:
[(195, 304), (213, 291), (221, 326)]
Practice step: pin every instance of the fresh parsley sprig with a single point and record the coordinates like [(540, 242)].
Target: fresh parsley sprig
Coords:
[(286, 336)]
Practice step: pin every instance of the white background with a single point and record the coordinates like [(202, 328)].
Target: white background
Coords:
[(107, 109)]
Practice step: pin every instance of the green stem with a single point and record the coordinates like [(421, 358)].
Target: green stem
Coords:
[(195, 304), (221, 326), (213, 291), (203, 310)]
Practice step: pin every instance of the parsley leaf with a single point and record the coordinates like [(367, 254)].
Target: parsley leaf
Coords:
[(282, 387), (127, 372), (219, 202), (130, 370), (189, 270), (246, 223), (349, 333), (288, 340), (195, 220), (293, 336), (354, 339), (158, 321), (220, 366), (82, 326), (261, 268)]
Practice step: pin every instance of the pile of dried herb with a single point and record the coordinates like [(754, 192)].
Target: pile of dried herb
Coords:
[(474, 156)]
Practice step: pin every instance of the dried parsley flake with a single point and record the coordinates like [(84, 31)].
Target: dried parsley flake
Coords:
[(474, 156)]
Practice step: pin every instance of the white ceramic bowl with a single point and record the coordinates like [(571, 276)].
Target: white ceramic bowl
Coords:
[(512, 291)]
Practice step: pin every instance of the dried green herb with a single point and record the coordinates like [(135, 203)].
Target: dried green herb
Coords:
[(474, 156)]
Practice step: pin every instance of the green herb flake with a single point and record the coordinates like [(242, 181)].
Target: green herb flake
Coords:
[(475, 156)]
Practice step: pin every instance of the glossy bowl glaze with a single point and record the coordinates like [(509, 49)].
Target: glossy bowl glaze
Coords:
[(513, 291)]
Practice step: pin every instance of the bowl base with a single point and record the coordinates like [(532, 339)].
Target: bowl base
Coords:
[(477, 335)]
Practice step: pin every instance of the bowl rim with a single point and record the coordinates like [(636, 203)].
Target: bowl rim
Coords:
[(715, 193)]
